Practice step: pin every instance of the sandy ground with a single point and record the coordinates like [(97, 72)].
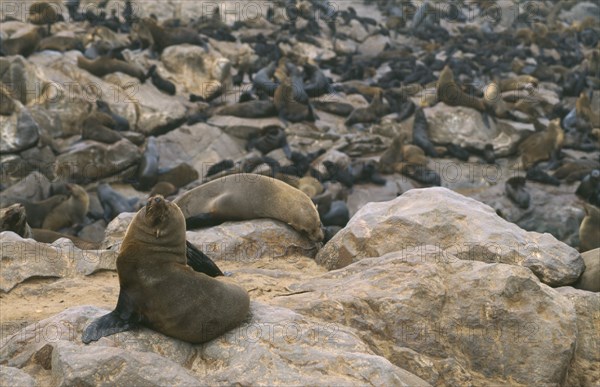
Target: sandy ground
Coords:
[(40, 298)]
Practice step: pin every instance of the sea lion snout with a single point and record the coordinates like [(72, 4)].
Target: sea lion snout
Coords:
[(156, 209)]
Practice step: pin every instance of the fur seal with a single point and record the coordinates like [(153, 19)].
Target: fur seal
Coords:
[(589, 188), (60, 43), (543, 145), (590, 279), (451, 94), (179, 176), (421, 135), (71, 211), (165, 37), (113, 202), (161, 84), (103, 66), (271, 138), (98, 126), (120, 123), (147, 173), (515, 190), (159, 290), (589, 230), (37, 211), (250, 196), (371, 113), (24, 44), (249, 109)]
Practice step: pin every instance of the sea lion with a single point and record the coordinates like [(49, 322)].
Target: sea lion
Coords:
[(589, 230), (420, 133), (543, 145), (97, 127), (337, 215), (179, 175), (161, 83), (537, 174), (13, 218), (165, 37), (147, 173), (103, 66), (159, 290), (24, 43), (371, 113), (249, 109), (271, 138), (71, 211), (120, 123), (589, 188), (590, 278), (451, 94), (515, 190), (288, 107), (42, 13), (113, 202), (60, 43), (163, 188), (37, 211), (250, 196), (392, 155)]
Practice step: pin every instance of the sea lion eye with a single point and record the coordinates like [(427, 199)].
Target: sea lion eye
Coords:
[(156, 200)]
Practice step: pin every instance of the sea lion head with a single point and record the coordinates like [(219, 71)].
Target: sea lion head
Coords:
[(163, 218), (307, 220), (13, 218)]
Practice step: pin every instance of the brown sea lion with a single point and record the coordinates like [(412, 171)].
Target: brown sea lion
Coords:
[(589, 230), (60, 43), (590, 279), (98, 126), (159, 290), (103, 66), (250, 196), (371, 113), (250, 109), (23, 43), (71, 211), (543, 145), (165, 37), (449, 92)]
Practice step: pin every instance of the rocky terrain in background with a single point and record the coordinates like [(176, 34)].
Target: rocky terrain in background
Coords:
[(449, 285)]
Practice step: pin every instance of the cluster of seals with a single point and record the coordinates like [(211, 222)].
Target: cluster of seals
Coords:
[(160, 291)]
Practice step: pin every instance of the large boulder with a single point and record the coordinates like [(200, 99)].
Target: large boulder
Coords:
[(454, 224), (274, 346), (447, 320)]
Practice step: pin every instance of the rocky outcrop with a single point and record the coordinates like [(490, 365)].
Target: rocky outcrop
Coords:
[(22, 259), (274, 346), (448, 320), (451, 224)]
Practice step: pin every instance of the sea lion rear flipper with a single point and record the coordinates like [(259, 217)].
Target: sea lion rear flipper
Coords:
[(122, 319), (200, 262)]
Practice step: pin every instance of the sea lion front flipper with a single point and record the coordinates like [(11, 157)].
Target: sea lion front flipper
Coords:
[(122, 319), (202, 220), (200, 262)]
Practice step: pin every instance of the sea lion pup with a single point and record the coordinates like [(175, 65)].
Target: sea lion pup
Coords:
[(14, 218), (590, 278), (517, 83), (250, 196), (165, 37), (543, 145), (589, 230), (515, 190), (161, 83), (420, 134), (160, 291), (583, 108), (451, 94), (372, 113), (71, 211), (103, 66), (179, 175), (249, 109), (288, 107), (537, 174), (39, 210), (263, 80)]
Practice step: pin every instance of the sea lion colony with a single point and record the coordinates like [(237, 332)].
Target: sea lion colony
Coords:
[(430, 56)]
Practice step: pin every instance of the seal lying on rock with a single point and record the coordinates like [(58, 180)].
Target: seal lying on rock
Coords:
[(159, 290), (250, 196)]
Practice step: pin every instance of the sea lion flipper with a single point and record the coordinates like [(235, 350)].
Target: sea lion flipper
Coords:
[(202, 220), (200, 262), (122, 319)]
